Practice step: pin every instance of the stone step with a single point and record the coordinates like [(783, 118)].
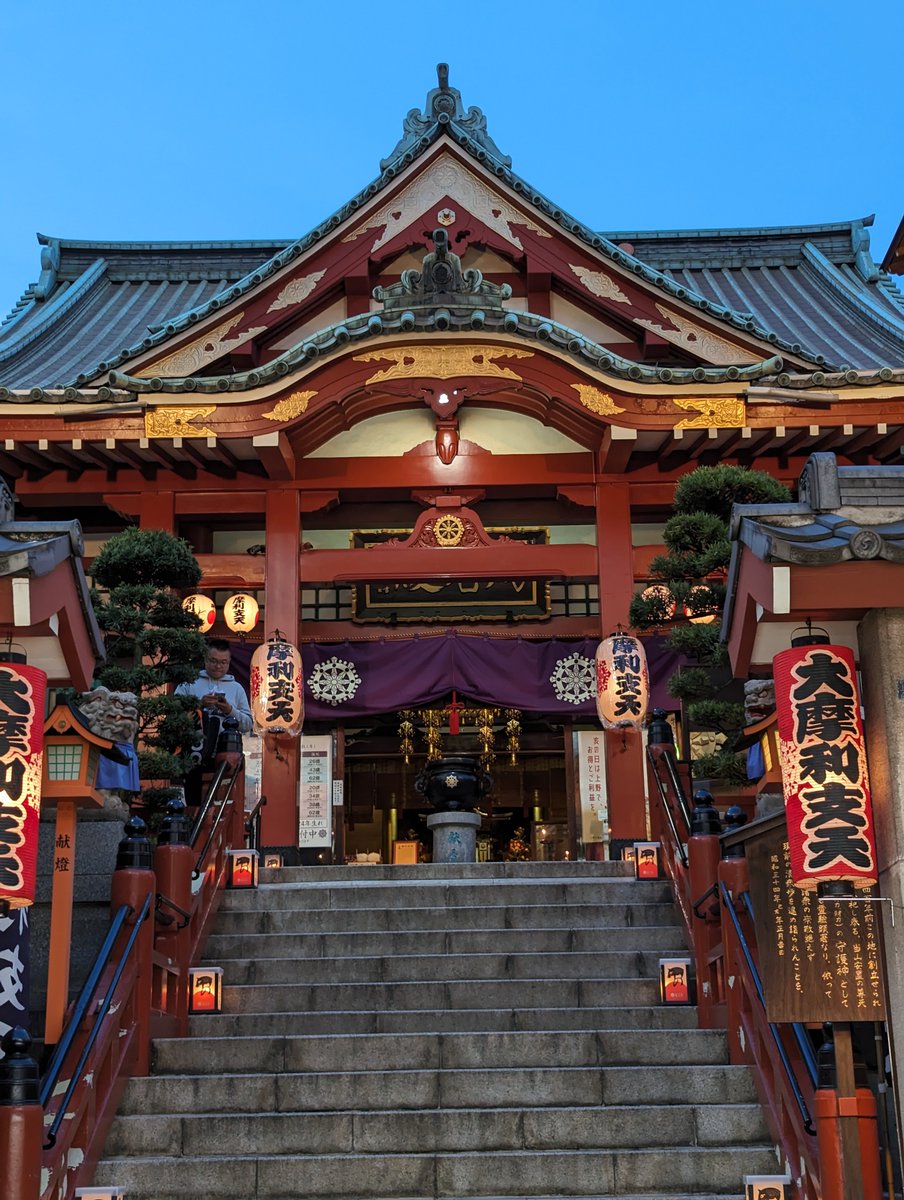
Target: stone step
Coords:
[(426, 1051), (353, 1131), (513, 1087), (302, 918), (425, 968), (452, 893), (463, 1020), (375, 872), (679, 1171), (351, 943)]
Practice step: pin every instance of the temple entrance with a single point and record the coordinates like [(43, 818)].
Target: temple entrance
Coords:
[(525, 817)]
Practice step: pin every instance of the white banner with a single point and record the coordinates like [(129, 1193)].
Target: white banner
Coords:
[(315, 787), (592, 785)]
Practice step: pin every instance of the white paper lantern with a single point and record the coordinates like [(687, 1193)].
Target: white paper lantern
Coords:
[(241, 612), (622, 682), (203, 608)]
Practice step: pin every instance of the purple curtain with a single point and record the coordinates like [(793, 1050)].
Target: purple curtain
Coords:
[(359, 679)]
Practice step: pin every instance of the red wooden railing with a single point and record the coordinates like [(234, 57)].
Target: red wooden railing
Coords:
[(712, 895), (52, 1131)]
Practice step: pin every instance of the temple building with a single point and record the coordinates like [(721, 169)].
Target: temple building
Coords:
[(436, 439)]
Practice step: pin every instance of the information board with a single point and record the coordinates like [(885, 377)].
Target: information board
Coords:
[(315, 790)]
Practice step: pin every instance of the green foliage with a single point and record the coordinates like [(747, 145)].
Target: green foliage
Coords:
[(716, 489), (693, 570), (724, 764), (151, 641)]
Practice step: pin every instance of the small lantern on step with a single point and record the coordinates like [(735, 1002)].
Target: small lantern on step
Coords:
[(273, 862), (675, 985), (629, 854), (242, 869), (646, 860), (205, 989), (767, 1187)]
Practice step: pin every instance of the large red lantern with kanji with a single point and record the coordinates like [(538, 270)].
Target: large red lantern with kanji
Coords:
[(277, 695), (22, 692), (622, 682), (824, 769)]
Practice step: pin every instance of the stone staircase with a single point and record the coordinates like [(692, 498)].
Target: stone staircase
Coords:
[(487, 1030)]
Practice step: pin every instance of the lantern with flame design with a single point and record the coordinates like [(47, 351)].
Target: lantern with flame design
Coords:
[(205, 989), (241, 612), (824, 770), (22, 692), (622, 682), (277, 700), (242, 868), (203, 608)]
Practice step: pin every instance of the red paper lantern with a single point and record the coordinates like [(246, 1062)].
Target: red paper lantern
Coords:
[(622, 682), (277, 698), (22, 692), (824, 768)]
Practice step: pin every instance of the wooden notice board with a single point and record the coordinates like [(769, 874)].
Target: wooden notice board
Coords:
[(820, 960), (404, 852)]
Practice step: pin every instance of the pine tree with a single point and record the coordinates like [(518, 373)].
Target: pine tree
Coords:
[(691, 595), (151, 641)]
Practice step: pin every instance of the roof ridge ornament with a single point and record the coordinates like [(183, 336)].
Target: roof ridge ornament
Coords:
[(442, 283), (443, 107)]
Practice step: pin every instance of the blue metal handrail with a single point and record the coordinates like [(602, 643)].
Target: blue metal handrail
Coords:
[(773, 1028), (100, 1015)]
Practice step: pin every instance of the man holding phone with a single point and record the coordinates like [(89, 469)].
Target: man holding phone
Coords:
[(216, 690)]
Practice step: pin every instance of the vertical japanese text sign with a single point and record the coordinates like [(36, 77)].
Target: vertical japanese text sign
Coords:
[(315, 789), (824, 770), (277, 704), (22, 691)]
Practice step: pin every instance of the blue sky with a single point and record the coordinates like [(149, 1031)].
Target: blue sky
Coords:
[(207, 120)]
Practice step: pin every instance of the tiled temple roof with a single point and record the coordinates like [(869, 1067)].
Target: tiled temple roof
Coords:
[(812, 290)]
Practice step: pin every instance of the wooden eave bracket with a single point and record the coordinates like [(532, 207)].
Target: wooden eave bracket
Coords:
[(276, 454)]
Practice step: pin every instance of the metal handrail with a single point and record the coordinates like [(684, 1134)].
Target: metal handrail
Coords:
[(63, 1046), (682, 853), (678, 787), (216, 821), (103, 1009), (773, 1028), (205, 807), (253, 824)]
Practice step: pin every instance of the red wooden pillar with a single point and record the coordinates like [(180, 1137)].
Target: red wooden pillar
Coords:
[(279, 776), (615, 572), (158, 511)]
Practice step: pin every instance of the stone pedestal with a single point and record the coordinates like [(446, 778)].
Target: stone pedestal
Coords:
[(454, 836)]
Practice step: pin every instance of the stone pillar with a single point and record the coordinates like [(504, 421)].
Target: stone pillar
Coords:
[(881, 635), (454, 836)]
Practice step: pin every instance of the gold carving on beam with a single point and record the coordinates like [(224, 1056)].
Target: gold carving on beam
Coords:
[(290, 407), (448, 530), (445, 178), (296, 290), (702, 342), (207, 349), (596, 400), (176, 422), (443, 362), (600, 284), (720, 413)]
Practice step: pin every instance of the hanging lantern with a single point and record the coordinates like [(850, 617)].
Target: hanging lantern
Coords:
[(277, 700), (663, 597), (698, 600), (203, 608), (241, 612), (622, 682), (22, 692), (824, 769)]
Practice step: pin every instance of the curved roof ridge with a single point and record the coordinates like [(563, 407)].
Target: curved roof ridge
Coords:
[(229, 243), (741, 230), (55, 309), (844, 286), (365, 326)]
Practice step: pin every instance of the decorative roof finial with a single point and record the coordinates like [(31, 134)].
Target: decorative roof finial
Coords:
[(443, 108)]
